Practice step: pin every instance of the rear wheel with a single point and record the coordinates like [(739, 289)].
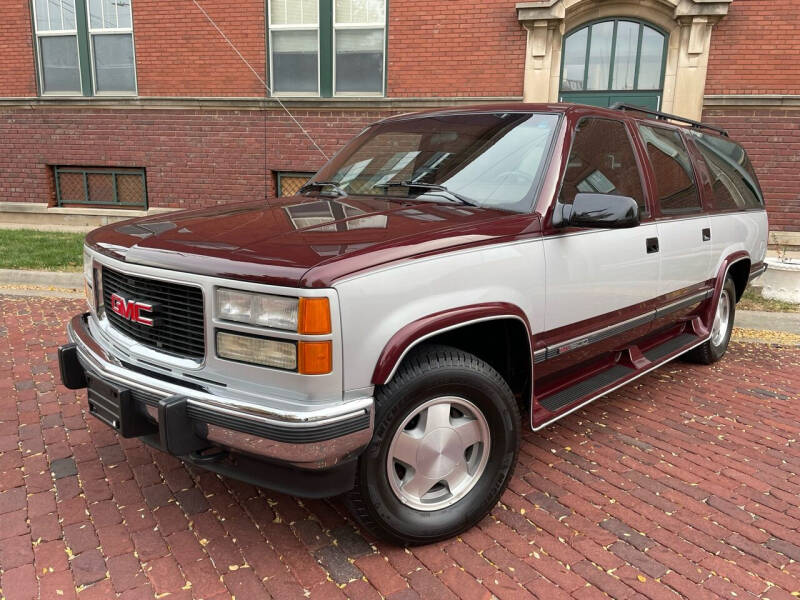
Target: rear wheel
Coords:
[(714, 348), (446, 439)]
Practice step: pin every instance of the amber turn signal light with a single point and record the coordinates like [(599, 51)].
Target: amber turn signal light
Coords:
[(314, 316), (314, 358)]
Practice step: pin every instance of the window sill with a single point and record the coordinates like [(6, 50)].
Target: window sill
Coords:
[(258, 103), (42, 208)]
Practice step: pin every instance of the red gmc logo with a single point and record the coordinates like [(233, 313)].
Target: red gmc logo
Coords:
[(132, 310)]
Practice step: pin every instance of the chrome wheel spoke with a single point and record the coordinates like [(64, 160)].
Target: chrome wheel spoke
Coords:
[(405, 449), (457, 476), (469, 431), (437, 416), (418, 485)]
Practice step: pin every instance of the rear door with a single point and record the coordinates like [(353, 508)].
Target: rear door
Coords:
[(684, 228), (600, 282)]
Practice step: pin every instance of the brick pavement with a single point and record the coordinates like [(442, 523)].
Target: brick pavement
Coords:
[(684, 484)]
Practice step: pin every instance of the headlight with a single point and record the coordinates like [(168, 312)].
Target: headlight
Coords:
[(88, 279), (279, 312), (257, 350)]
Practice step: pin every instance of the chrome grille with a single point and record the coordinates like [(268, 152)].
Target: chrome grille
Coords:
[(178, 327)]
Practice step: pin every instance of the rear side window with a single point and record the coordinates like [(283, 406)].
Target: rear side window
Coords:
[(677, 191), (602, 162), (732, 175)]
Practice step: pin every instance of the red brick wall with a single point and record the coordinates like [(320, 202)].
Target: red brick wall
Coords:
[(464, 48), (193, 158), (772, 139), (17, 74), (756, 49), (179, 53)]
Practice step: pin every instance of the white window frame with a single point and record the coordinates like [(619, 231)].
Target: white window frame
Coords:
[(55, 33), (302, 27), (351, 26), (110, 30)]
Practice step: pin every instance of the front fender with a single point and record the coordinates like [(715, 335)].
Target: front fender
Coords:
[(447, 320)]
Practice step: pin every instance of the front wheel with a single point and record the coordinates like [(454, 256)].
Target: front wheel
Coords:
[(716, 345), (447, 432)]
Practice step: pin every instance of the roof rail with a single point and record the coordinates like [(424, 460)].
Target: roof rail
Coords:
[(668, 117)]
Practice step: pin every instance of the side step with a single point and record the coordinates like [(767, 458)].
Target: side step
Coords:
[(595, 386), (583, 388), (670, 346)]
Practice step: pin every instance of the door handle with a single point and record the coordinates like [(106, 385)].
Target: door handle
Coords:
[(652, 245), (707, 234)]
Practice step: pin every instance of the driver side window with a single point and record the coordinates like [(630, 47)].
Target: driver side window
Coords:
[(602, 161)]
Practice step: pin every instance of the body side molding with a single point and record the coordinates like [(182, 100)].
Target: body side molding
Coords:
[(426, 327)]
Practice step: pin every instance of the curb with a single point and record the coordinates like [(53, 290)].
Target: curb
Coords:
[(49, 279), (785, 322)]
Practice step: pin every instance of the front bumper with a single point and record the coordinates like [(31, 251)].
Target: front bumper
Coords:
[(316, 440)]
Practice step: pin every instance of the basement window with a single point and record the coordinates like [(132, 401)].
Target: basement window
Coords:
[(289, 183), (101, 186)]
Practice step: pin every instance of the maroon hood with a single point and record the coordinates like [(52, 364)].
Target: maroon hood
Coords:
[(302, 241)]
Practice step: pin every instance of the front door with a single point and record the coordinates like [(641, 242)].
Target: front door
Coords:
[(598, 279)]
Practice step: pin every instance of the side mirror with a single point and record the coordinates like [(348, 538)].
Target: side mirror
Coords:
[(605, 211)]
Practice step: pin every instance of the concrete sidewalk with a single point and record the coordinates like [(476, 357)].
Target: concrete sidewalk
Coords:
[(768, 321)]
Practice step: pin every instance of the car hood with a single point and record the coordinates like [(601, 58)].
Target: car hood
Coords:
[(301, 241)]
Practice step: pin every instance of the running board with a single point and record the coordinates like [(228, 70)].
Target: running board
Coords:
[(614, 377), (583, 388), (658, 352)]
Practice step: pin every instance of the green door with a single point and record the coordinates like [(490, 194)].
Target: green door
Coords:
[(615, 60)]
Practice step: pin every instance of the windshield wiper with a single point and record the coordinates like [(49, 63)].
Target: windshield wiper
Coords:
[(433, 187), (334, 185)]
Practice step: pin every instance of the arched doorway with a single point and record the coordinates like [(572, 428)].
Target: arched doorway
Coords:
[(614, 60)]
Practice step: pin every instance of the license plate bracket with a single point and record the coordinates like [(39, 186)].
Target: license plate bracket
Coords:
[(115, 406)]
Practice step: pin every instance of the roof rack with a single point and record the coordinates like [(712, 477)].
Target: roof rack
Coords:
[(668, 117)]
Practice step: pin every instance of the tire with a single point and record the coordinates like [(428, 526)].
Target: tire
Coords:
[(412, 419), (714, 348)]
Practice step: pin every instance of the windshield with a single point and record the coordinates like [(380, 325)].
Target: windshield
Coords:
[(491, 160)]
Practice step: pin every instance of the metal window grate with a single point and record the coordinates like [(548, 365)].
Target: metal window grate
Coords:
[(113, 187), (290, 183)]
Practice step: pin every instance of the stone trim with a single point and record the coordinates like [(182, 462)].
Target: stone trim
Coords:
[(37, 215), (751, 101), (43, 208), (184, 103), (689, 24)]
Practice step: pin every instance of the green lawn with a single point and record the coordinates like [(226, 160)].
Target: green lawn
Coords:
[(752, 300), (41, 250)]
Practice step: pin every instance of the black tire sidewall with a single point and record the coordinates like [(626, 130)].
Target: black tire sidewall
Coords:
[(492, 399)]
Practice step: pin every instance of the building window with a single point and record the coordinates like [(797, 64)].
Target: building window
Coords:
[(618, 60), (110, 187), (288, 184), (85, 47), (327, 47)]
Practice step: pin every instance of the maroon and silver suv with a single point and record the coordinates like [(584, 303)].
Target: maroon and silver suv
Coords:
[(380, 334)]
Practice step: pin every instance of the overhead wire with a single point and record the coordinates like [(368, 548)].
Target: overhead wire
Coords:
[(261, 79)]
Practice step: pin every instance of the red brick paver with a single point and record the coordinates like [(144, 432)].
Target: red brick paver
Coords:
[(684, 484)]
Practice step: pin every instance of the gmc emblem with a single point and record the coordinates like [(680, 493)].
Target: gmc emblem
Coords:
[(132, 310)]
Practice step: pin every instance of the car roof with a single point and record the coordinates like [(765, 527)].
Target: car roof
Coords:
[(579, 110)]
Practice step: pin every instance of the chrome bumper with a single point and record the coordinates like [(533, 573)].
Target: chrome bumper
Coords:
[(316, 439)]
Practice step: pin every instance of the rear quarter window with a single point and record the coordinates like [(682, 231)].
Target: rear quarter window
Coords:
[(733, 178), (672, 168)]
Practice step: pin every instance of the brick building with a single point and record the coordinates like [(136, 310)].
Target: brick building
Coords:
[(142, 105)]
